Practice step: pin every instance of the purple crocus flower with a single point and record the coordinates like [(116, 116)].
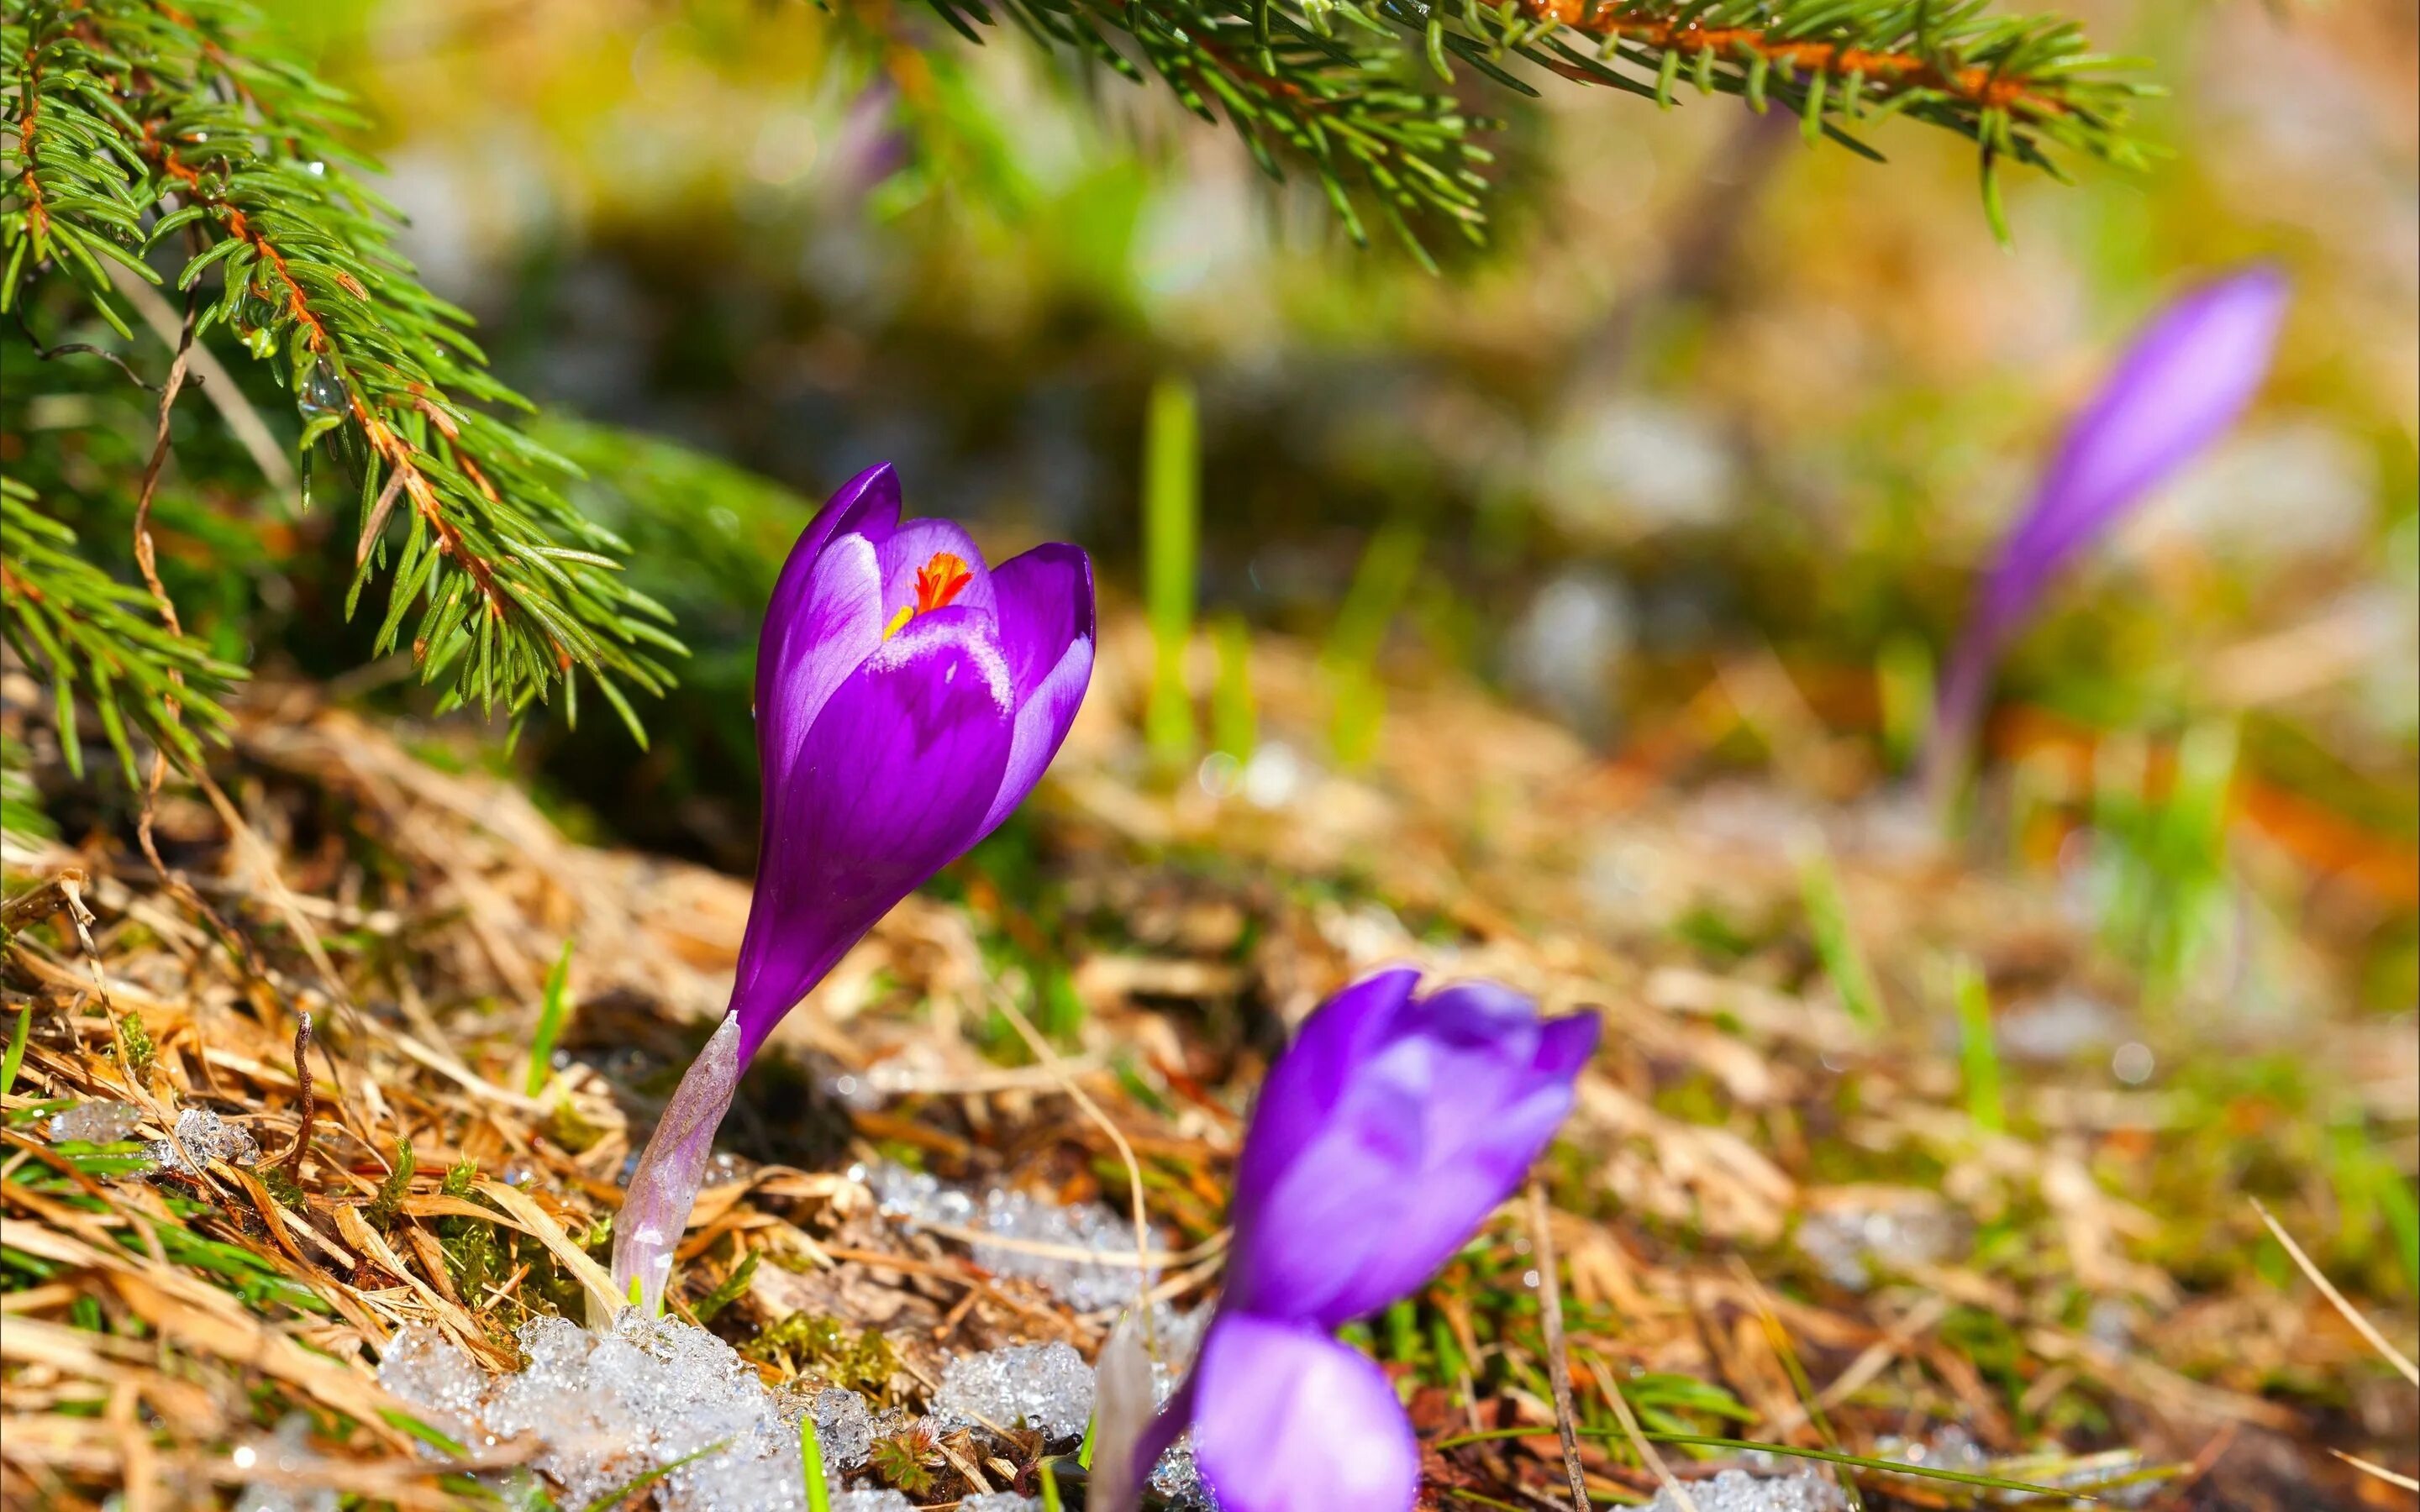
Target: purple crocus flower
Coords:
[(907, 697), (2183, 382), (1384, 1136)]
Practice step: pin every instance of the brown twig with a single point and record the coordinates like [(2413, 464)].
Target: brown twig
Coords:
[(146, 554), (80, 348), (292, 1160), (1559, 1365), (38, 214), (2377, 1472), (62, 893), (1981, 87), (147, 559), (210, 376)]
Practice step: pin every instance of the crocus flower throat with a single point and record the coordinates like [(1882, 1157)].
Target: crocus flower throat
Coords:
[(938, 581)]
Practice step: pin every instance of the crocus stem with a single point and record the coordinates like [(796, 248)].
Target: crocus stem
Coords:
[(1122, 1405), (1959, 713), (655, 1209)]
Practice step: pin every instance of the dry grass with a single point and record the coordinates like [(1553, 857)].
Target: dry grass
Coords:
[(2064, 1300)]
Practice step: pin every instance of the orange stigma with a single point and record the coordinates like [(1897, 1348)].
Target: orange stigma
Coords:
[(938, 581)]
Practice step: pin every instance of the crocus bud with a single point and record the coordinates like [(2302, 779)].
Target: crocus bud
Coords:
[(907, 697), (2187, 377), (1385, 1135)]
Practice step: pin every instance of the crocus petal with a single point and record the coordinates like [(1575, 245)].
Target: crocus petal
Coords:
[(2183, 383), (889, 785), (1304, 1086), (1044, 600), (1500, 1055), (918, 542), (1344, 1195), (833, 624), (1456, 1194), (1041, 725), (1441, 1106), (1045, 609), (2185, 379), (655, 1208), (1285, 1419), (867, 505)]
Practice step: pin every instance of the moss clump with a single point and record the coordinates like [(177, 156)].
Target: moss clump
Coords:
[(566, 1127), (814, 1343), (469, 1244), (280, 1183), (140, 1052), (388, 1204)]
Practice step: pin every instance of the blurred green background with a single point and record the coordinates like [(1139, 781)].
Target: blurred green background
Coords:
[(1710, 393)]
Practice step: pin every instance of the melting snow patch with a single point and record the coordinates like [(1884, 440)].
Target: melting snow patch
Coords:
[(1857, 1242), (1172, 1341), (1043, 1386), (439, 1378), (1736, 1490), (608, 1409), (604, 1410), (915, 1198), (206, 1138), (102, 1122)]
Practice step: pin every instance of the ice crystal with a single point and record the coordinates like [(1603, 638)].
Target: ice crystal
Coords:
[(439, 1379), (606, 1410), (99, 1122), (206, 1138), (1044, 1386), (915, 1198), (1736, 1490)]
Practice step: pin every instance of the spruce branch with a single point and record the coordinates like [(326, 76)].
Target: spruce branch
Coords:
[(137, 128), (1339, 85), (97, 636)]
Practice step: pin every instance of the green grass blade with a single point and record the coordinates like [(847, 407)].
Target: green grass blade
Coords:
[(811, 1461), (1234, 722), (729, 1290), (1904, 678), (1836, 945), (620, 1494), (1172, 509), (552, 1011), (1390, 565), (1977, 1052), (16, 1056)]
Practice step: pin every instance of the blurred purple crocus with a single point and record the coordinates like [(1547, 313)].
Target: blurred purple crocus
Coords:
[(1384, 1136), (907, 697), (2183, 382)]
